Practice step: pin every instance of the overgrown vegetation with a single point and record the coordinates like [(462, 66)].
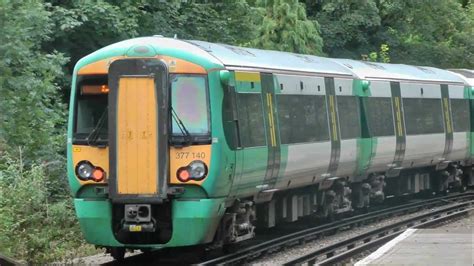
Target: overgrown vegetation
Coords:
[(41, 40), (37, 224)]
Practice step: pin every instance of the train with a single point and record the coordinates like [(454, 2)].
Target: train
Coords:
[(174, 143)]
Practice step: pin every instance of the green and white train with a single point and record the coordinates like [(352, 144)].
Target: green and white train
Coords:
[(178, 143)]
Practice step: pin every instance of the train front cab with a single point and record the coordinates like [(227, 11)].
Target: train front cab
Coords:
[(123, 143)]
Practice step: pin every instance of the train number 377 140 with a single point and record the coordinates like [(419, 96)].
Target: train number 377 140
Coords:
[(190, 155)]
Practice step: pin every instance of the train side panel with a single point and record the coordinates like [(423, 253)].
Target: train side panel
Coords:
[(425, 142), (305, 157)]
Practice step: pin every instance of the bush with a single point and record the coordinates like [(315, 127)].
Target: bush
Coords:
[(36, 226)]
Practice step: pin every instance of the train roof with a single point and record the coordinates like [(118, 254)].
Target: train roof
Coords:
[(234, 57), (466, 74), (231, 57), (241, 58), (383, 71)]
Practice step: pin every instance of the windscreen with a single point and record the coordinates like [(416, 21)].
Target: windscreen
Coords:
[(189, 102), (91, 110)]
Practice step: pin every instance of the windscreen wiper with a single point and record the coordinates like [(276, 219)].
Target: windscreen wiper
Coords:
[(93, 137), (182, 127)]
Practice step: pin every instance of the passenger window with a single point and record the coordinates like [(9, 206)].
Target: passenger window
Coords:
[(460, 114), (252, 129), (303, 118), (423, 116), (349, 117), (380, 116)]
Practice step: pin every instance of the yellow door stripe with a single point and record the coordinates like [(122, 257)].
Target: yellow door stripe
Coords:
[(332, 107), (447, 117), (271, 120), (399, 116)]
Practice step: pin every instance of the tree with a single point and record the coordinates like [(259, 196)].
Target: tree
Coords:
[(464, 3), (285, 27), (241, 19), (424, 32), (36, 221), (229, 21), (381, 56), (86, 26), (82, 27), (347, 26), (32, 114)]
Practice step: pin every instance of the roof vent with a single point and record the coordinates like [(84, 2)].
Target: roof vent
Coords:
[(373, 65), (348, 65), (305, 58), (238, 50), (206, 48), (426, 70)]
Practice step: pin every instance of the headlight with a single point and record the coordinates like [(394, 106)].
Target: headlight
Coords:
[(196, 170), (86, 171)]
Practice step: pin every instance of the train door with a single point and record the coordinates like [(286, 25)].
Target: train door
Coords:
[(400, 134), (138, 146), (251, 164), (272, 133), (231, 132)]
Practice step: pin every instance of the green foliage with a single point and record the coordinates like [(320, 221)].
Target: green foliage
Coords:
[(239, 22), (34, 226), (426, 32), (381, 56), (347, 26), (86, 26), (438, 33), (32, 112), (37, 223), (82, 27), (285, 27)]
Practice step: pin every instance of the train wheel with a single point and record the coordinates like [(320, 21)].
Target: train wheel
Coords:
[(117, 253)]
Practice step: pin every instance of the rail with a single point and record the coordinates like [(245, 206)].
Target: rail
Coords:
[(346, 249), (249, 253)]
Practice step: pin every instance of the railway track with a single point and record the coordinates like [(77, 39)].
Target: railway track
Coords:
[(252, 252), (345, 250)]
